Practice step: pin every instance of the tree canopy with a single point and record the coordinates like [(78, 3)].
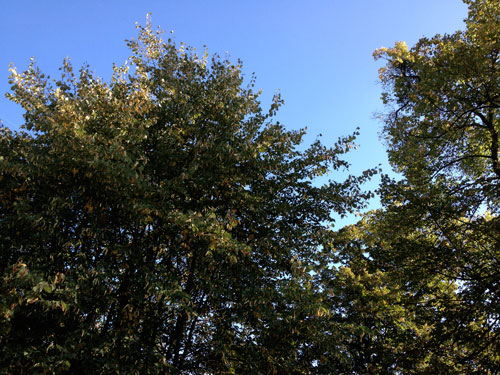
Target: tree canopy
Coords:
[(438, 233), (163, 222), (444, 95)]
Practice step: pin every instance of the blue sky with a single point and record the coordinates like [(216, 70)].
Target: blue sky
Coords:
[(317, 53)]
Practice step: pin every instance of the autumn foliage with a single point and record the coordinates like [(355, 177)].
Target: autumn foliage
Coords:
[(164, 223)]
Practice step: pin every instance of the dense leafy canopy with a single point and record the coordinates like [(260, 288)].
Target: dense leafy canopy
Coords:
[(161, 223), (445, 98), (438, 236), (164, 223)]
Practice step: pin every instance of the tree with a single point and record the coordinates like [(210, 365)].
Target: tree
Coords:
[(438, 236), (445, 99), (161, 223), (438, 317)]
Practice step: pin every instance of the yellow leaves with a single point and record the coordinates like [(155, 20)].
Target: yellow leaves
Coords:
[(322, 311), (401, 46), (63, 306), (74, 171), (19, 189), (13, 73), (89, 207), (59, 277), (394, 56), (381, 72), (9, 312), (213, 242), (380, 53)]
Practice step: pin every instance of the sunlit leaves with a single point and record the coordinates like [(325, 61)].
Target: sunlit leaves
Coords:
[(438, 233), (162, 222)]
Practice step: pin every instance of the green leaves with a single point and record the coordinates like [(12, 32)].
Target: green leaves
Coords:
[(156, 216), (438, 232), (444, 110)]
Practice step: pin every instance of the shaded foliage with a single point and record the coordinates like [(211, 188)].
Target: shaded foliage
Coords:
[(164, 223), (161, 223)]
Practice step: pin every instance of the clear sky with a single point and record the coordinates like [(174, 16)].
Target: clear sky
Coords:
[(317, 53)]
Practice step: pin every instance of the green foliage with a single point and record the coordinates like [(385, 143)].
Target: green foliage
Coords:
[(444, 100), (441, 315), (161, 223), (164, 223), (437, 238)]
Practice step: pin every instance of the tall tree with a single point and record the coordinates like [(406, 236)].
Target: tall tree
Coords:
[(445, 98), (439, 233), (160, 223)]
